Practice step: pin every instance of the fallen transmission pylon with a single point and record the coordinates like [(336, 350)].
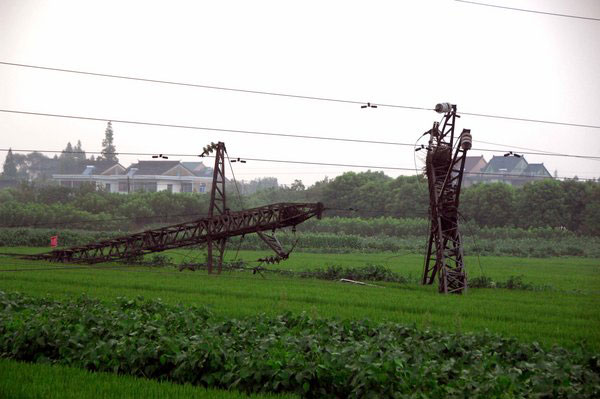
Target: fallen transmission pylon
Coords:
[(213, 230), (444, 170)]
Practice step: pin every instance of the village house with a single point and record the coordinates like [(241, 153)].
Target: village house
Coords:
[(150, 176)]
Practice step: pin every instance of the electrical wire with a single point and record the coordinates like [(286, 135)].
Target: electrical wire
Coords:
[(545, 152), (513, 118), (376, 167), (296, 96), (255, 132), (474, 238), (212, 129), (237, 188), (592, 157), (525, 10), (212, 87)]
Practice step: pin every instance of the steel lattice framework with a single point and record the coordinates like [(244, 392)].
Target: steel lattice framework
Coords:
[(213, 230), (217, 228), (444, 168)]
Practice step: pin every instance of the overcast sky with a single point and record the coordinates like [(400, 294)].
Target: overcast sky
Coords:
[(417, 53)]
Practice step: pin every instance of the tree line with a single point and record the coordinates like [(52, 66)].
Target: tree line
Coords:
[(569, 205), (38, 167)]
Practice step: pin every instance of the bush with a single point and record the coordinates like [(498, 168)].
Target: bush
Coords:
[(312, 357)]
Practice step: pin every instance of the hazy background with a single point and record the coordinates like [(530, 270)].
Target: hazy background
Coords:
[(414, 53)]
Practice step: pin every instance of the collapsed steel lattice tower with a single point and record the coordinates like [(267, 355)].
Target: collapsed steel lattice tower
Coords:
[(444, 170), (213, 230)]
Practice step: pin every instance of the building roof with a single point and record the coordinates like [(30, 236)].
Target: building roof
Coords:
[(88, 167), (150, 168), (537, 169), (503, 164), (471, 163), (199, 169)]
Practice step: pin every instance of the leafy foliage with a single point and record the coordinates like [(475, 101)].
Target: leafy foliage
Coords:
[(9, 169), (365, 273), (568, 205), (51, 381), (108, 147), (288, 353), (538, 244)]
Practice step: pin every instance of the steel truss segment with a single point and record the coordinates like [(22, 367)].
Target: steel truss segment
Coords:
[(213, 230), (444, 168), (218, 228)]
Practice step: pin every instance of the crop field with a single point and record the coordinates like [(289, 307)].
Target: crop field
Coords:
[(557, 306), (30, 380)]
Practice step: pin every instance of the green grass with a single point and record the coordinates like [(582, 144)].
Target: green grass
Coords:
[(33, 381), (566, 315), (559, 273)]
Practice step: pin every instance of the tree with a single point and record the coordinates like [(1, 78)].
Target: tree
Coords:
[(541, 204), (344, 191), (9, 171), (489, 204), (108, 148), (297, 185), (20, 161), (67, 162), (576, 196), (78, 152), (591, 215)]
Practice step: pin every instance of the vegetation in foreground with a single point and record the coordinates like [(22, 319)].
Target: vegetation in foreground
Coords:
[(570, 205), (345, 235), (22, 380), (309, 356), (565, 315)]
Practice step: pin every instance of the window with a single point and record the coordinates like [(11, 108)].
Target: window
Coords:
[(66, 183), (144, 186), (123, 187), (186, 187), (202, 188), (170, 188), (107, 187)]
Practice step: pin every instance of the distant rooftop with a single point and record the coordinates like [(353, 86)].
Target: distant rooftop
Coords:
[(150, 168), (89, 167), (501, 163), (199, 169), (537, 169), (471, 163)]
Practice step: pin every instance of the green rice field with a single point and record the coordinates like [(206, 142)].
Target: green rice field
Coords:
[(34, 381), (561, 309), (563, 313)]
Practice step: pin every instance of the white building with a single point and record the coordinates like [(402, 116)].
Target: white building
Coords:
[(103, 174), (149, 176), (171, 176)]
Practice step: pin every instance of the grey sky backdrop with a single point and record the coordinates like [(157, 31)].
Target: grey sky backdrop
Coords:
[(416, 53)]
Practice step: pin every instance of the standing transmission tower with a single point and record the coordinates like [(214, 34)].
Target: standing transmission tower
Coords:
[(218, 203), (444, 169)]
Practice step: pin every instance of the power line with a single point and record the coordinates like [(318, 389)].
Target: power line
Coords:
[(554, 154), (525, 10), (514, 146), (376, 167), (303, 97), (256, 132), (232, 89), (213, 129), (535, 152), (512, 118)]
